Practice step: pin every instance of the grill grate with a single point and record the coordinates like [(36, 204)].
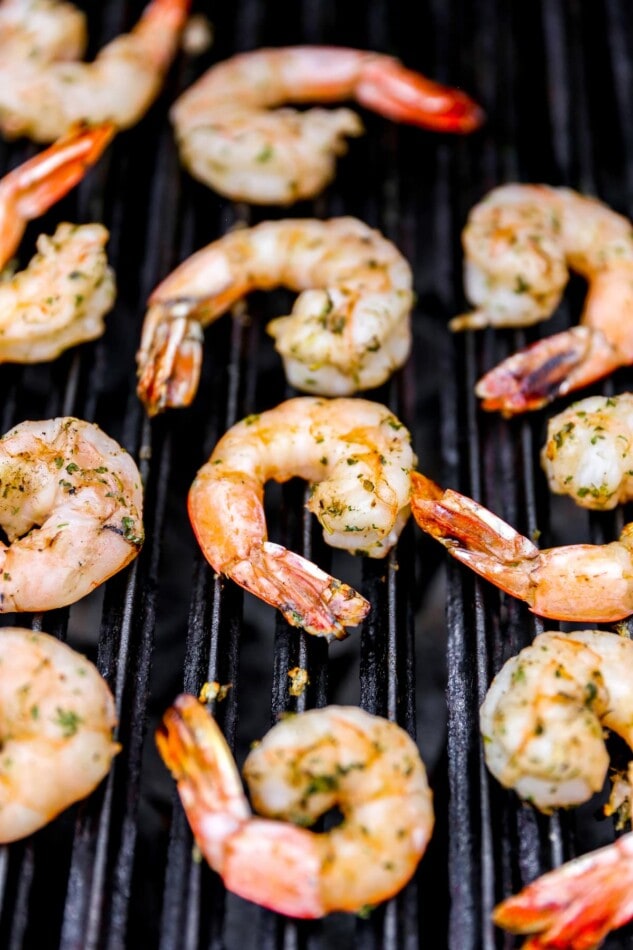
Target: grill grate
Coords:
[(117, 870)]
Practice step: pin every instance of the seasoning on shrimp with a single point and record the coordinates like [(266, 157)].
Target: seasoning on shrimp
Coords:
[(518, 243), (543, 717), (71, 507), (44, 90), (56, 721), (589, 451), (357, 456), (307, 764), (349, 328), (576, 905), (232, 136), (577, 582)]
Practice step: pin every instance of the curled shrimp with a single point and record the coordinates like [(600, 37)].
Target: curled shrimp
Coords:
[(337, 756), (56, 722), (70, 505), (232, 136), (33, 187), (575, 906), (542, 719), (60, 299), (576, 582), (44, 90), (349, 328), (358, 457), (588, 452), (519, 242)]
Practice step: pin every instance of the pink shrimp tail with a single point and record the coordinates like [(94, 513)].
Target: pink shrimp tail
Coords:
[(169, 361), (306, 596), (576, 905), (403, 95), (196, 753), (549, 368), (474, 536), (273, 863), (32, 188), (160, 26)]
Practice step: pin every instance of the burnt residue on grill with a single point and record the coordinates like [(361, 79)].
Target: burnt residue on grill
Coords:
[(555, 77)]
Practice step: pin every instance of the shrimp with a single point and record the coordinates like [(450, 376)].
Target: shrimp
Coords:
[(60, 299), (542, 718), (57, 716), (358, 457), (518, 244), (33, 187), (44, 30), (336, 756), (588, 452), (349, 328), (576, 582), (44, 90), (231, 139), (577, 904), (71, 507)]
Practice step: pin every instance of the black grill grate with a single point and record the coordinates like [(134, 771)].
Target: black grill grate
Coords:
[(556, 80)]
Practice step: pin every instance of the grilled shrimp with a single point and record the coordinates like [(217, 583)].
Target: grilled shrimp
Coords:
[(588, 453), (41, 31), (33, 187), (60, 299), (519, 242), (305, 765), (544, 713), (70, 505), (44, 90), (349, 327), (232, 136), (56, 721), (576, 582), (358, 457), (575, 906)]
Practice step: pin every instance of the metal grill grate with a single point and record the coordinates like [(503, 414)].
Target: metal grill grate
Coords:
[(556, 80)]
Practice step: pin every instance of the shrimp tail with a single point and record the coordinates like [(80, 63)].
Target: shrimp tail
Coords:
[(196, 753), (236, 844), (576, 905), (552, 367), (305, 595), (169, 360), (474, 536), (403, 95), (33, 187)]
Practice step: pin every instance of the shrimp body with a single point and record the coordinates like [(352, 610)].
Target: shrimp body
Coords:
[(358, 457), (336, 756), (519, 242), (588, 452), (70, 505), (348, 330), (542, 719), (41, 30), (41, 96), (60, 299), (233, 137), (576, 582), (56, 720), (577, 904)]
